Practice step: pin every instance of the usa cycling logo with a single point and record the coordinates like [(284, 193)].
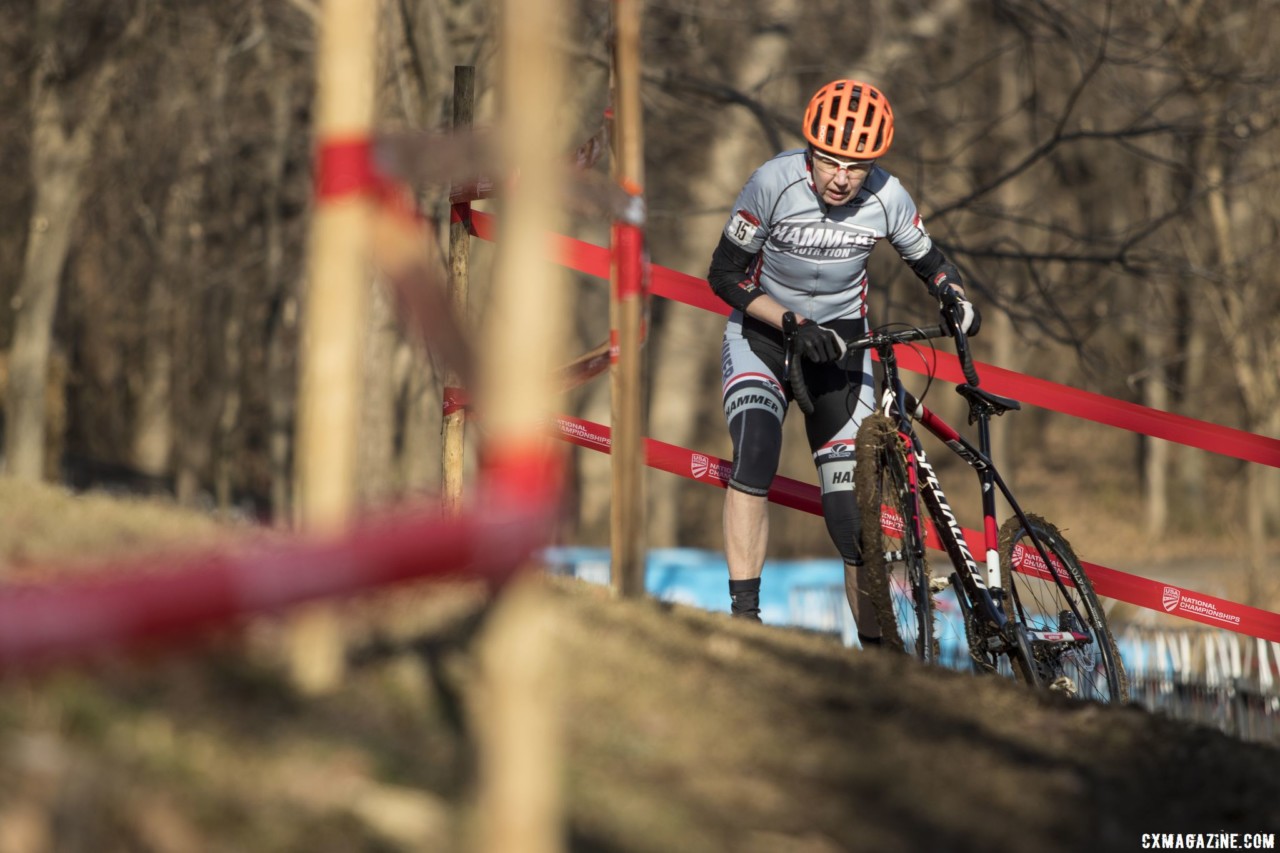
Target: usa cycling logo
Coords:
[(699, 465), (1175, 600)]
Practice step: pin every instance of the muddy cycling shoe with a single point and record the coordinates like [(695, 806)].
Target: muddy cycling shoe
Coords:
[(753, 615), (1064, 685)]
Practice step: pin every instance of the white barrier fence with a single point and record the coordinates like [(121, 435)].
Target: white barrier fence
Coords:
[(1201, 655), (1217, 678)]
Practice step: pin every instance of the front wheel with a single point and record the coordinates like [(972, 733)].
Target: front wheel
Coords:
[(1088, 667), (892, 547)]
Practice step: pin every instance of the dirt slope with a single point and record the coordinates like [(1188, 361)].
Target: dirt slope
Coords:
[(747, 738), (685, 731)]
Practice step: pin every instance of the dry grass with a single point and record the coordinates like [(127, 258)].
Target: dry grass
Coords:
[(49, 527)]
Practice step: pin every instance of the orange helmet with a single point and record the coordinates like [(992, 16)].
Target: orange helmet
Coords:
[(850, 118)]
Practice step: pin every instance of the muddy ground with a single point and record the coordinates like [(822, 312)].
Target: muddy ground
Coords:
[(683, 731)]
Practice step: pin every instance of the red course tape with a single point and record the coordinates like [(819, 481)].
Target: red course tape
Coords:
[(344, 167), (594, 260), (156, 602), (1111, 583)]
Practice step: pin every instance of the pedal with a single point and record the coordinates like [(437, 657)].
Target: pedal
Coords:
[(1064, 685)]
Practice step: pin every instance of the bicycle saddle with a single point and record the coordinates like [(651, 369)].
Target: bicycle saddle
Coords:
[(993, 403)]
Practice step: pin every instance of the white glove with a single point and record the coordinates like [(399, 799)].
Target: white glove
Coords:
[(970, 319)]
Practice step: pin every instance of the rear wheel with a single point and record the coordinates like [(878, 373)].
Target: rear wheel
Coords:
[(892, 549), (1089, 668)]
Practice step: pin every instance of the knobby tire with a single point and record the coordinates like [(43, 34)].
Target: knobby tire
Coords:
[(898, 588), (1092, 670)]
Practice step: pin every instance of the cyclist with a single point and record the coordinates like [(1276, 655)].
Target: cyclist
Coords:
[(798, 241)]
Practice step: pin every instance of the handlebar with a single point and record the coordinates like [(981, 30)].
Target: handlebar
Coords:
[(794, 376), (952, 316), (878, 340)]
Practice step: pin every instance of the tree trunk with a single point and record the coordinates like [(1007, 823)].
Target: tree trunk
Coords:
[(1016, 197), (1155, 462), (153, 430), (282, 341), (378, 404), (59, 193), (399, 424), (60, 154), (1255, 368), (593, 473), (419, 461), (153, 424), (227, 439), (281, 310), (1156, 331), (1191, 461)]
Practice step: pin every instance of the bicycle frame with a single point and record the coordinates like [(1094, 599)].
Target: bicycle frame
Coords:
[(976, 589), (903, 409)]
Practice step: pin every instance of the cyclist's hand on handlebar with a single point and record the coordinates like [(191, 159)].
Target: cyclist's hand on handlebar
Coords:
[(818, 343), (966, 313)]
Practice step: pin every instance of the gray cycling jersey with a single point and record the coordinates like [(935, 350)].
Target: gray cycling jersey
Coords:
[(813, 258)]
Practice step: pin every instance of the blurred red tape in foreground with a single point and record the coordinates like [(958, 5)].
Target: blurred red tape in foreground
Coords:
[(42, 623)]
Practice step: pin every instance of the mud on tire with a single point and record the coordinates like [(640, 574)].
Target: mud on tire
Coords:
[(880, 481)]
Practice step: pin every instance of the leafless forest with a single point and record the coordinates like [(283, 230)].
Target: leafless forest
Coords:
[(1104, 173)]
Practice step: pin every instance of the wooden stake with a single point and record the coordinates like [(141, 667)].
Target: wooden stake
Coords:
[(453, 429), (529, 313), (519, 727), (333, 324), (629, 302)]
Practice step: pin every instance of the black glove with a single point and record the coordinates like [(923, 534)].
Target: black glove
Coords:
[(818, 343), (966, 312)]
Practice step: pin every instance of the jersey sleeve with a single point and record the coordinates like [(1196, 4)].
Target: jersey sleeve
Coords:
[(906, 229), (748, 227)]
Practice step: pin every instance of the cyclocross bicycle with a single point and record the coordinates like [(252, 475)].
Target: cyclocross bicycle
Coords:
[(1029, 610)]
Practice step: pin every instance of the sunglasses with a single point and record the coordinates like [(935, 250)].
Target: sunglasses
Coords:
[(831, 164)]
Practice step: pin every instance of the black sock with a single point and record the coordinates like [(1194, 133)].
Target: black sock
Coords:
[(869, 641), (746, 598)]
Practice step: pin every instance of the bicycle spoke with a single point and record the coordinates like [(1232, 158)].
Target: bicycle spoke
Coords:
[(1072, 646)]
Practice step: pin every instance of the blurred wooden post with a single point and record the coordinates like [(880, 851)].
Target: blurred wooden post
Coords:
[(519, 802), (627, 294), (335, 307), (453, 430), (519, 725)]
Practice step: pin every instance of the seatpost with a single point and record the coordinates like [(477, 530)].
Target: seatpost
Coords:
[(991, 483), (986, 474), (980, 416)]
